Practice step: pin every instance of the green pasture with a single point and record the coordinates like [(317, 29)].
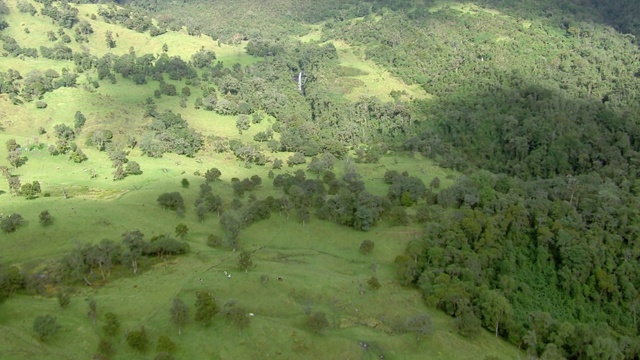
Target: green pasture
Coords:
[(320, 268), (367, 78)]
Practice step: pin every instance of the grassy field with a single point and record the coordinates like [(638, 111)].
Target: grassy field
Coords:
[(319, 262)]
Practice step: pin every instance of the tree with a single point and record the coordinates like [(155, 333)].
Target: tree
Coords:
[(45, 218), (16, 159), (317, 322), (63, 298), (108, 37), (238, 315), (105, 348), (111, 324), (366, 246), (466, 322), (172, 201), (118, 173), (496, 309), (138, 339), (31, 191), (374, 283), (79, 121), (135, 247), (179, 314), (231, 224), (420, 324), (212, 175), (11, 223), (182, 230), (185, 183), (296, 159), (244, 260), (165, 345), (132, 168), (45, 326), (206, 308)]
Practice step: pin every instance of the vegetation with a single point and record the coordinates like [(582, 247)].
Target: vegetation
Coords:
[(488, 149)]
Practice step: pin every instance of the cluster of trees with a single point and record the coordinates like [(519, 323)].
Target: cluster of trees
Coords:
[(94, 262), (35, 84), (65, 144), (169, 132)]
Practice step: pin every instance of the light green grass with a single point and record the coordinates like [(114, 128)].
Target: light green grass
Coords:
[(373, 80), (321, 270)]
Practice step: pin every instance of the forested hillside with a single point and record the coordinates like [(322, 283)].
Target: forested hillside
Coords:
[(527, 227)]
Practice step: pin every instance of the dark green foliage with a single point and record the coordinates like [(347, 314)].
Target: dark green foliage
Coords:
[(243, 123), (11, 223), (203, 58), (106, 348), (182, 230), (64, 299), (111, 324), (366, 246), (45, 326), (25, 6), (466, 322), (214, 240), (132, 168), (79, 121), (231, 224), (135, 246), (165, 345), (166, 245), (63, 14), (138, 340), (419, 324), (45, 218), (398, 216), (296, 159), (11, 280), (169, 132), (171, 201), (184, 183), (405, 190), (374, 283), (317, 322), (206, 308), (212, 175), (179, 314), (244, 261), (31, 191), (15, 158), (236, 314)]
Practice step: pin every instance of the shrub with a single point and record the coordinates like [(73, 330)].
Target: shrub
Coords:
[(45, 326), (374, 283), (366, 246), (138, 339), (317, 322), (214, 240)]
